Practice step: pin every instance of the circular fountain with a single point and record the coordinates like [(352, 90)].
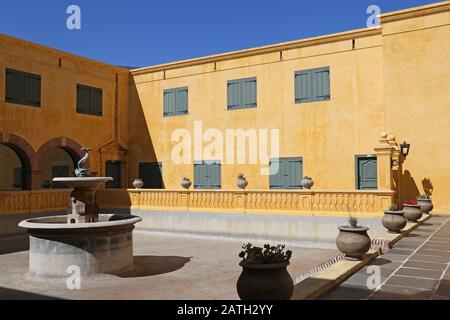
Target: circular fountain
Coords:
[(95, 243)]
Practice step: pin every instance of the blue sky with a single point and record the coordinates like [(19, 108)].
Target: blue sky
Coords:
[(142, 33)]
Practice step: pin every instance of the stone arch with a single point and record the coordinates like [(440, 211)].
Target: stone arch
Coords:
[(72, 147), (26, 154)]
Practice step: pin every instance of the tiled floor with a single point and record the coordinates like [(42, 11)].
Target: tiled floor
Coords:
[(416, 268)]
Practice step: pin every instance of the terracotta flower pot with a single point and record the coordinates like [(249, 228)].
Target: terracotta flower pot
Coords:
[(265, 281), (412, 212), (394, 221), (353, 242), (425, 205)]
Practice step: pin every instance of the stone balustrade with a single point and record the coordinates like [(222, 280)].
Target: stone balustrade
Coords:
[(13, 202), (310, 202)]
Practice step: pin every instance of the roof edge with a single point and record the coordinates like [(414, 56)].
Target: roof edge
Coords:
[(358, 33), (415, 12)]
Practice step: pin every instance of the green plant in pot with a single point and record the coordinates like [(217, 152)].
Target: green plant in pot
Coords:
[(394, 219), (353, 240), (424, 201), (412, 210), (264, 273)]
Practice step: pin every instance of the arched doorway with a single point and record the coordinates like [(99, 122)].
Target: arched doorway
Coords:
[(57, 158), (15, 168), (56, 163)]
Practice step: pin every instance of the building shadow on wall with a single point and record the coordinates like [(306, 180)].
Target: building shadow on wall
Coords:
[(141, 147), (145, 266), (408, 188)]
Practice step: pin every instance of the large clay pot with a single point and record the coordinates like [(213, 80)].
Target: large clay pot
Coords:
[(425, 205), (394, 221), (138, 183), (265, 281), (412, 212), (307, 182), (353, 242), (185, 183)]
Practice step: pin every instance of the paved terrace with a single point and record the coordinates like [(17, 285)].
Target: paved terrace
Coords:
[(416, 268), (167, 267)]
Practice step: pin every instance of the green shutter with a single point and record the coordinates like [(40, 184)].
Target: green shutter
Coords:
[(289, 173), (14, 86), (249, 93), (214, 182), (234, 93), (200, 175), (83, 99), (113, 170), (17, 178), (33, 90), (95, 97), (321, 84), (303, 86), (169, 102), (181, 101), (312, 85)]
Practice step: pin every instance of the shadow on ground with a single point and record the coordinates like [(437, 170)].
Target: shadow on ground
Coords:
[(14, 244), (13, 294), (145, 266)]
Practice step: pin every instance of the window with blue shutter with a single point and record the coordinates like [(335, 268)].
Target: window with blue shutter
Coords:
[(23, 88), (89, 100), (241, 93), (175, 101), (288, 175), (207, 175), (312, 85)]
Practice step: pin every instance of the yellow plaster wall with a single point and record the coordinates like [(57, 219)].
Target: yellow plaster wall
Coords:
[(60, 73), (416, 55), (327, 134)]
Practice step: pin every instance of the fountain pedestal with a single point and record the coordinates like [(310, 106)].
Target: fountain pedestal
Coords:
[(94, 243)]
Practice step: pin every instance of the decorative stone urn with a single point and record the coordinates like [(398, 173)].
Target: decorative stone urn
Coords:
[(307, 182), (241, 181), (138, 183), (394, 221), (425, 205), (412, 212), (354, 242), (185, 183), (269, 281)]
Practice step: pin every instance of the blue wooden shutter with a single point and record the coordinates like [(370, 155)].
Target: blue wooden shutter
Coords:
[(276, 178), (169, 102), (303, 86), (249, 92), (214, 175), (321, 84), (234, 92), (33, 90), (199, 175), (181, 101), (294, 170), (14, 86), (95, 97)]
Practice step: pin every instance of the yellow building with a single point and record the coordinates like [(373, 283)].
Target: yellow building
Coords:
[(326, 98)]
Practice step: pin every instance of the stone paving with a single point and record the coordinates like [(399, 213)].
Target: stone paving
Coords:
[(167, 267), (417, 267)]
